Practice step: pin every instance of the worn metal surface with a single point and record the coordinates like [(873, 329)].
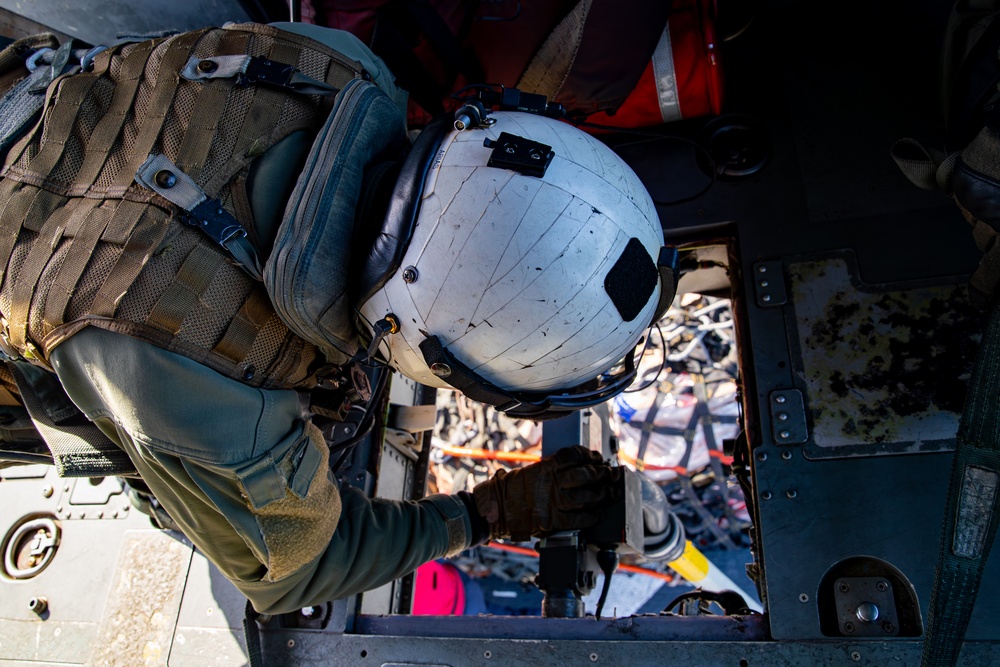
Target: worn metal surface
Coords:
[(141, 613), (884, 370), (98, 23), (210, 620), (76, 582), (820, 513), (634, 628), (283, 648)]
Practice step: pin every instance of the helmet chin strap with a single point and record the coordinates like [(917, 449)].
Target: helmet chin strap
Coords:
[(444, 365), (377, 185), (524, 405)]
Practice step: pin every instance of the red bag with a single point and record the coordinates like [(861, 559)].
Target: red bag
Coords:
[(684, 77), (665, 64)]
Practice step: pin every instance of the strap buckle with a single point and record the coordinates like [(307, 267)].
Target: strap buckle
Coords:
[(262, 70), (211, 218)]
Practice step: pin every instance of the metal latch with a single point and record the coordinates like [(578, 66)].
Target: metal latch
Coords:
[(30, 548)]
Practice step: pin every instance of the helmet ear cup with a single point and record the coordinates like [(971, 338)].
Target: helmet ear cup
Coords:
[(385, 253)]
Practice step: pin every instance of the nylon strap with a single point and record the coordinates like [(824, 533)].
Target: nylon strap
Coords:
[(8, 399), (972, 509), (181, 295), (106, 132), (146, 236), (19, 108), (159, 105), (251, 634), (17, 198), (39, 256), (647, 426), (258, 123), (212, 99), (550, 65), (18, 149), (255, 70), (123, 222), (28, 203), (61, 121), (241, 333), (78, 450), (13, 55), (707, 421), (206, 214), (77, 257)]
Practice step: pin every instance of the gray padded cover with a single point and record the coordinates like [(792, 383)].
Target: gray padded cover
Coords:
[(307, 273)]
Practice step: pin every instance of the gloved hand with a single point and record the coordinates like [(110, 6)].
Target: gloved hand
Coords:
[(561, 492)]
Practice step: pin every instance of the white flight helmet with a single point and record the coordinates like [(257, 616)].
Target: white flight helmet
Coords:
[(535, 265)]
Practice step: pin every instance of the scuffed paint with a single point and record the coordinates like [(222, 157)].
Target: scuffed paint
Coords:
[(881, 367)]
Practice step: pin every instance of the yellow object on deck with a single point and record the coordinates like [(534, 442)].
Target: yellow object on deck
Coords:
[(701, 573)]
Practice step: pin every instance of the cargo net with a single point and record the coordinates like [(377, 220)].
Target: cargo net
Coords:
[(674, 425)]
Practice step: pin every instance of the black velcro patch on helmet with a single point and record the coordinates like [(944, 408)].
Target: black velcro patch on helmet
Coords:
[(631, 281)]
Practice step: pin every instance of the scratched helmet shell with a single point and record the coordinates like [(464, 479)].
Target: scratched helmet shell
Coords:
[(530, 280)]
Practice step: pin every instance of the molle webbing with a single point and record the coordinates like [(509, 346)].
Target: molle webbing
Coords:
[(83, 244)]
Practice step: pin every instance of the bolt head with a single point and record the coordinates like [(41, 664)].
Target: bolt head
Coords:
[(165, 178), (867, 612), (441, 370), (410, 274)]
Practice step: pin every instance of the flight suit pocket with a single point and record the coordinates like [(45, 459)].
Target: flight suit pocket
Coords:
[(290, 466), (295, 502), (262, 482)]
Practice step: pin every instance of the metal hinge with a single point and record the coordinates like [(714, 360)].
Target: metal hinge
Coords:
[(788, 417), (769, 284)]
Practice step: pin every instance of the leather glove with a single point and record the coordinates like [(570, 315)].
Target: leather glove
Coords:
[(564, 491)]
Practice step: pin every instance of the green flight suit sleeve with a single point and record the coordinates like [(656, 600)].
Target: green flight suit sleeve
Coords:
[(245, 475)]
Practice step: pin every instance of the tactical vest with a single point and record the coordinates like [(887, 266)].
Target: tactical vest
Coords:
[(106, 201)]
